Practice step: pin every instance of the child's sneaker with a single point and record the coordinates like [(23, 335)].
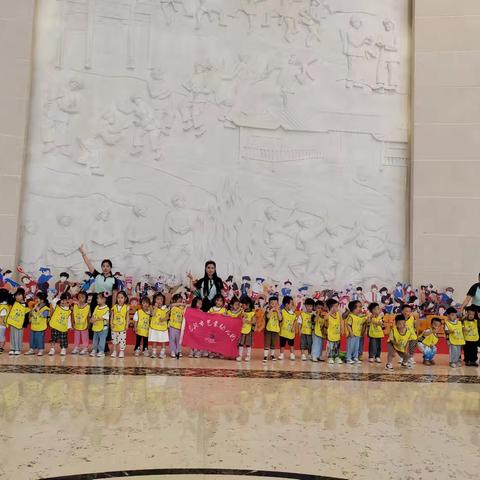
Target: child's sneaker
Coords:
[(273, 358), (30, 352), (304, 357), (83, 352), (389, 366), (190, 355), (75, 351), (407, 365), (114, 354), (11, 352), (292, 356), (121, 354), (92, 353), (453, 365), (172, 355), (331, 361), (154, 354), (378, 360), (314, 359), (357, 360), (338, 360), (40, 353), (51, 352), (146, 353), (247, 358), (280, 357), (371, 359), (17, 352), (178, 355), (239, 358), (100, 354), (459, 364), (265, 359), (350, 361), (197, 355), (63, 352)]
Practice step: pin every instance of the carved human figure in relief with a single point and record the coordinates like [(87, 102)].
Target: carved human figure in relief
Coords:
[(289, 14), (357, 51), (104, 237), (58, 109), (311, 19), (161, 97), (62, 246), (212, 9), (388, 59)]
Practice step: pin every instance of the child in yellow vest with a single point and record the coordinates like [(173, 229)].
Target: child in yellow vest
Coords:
[(100, 321), (158, 333), (375, 332), (246, 337), (119, 317), (334, 327), (318, 335), (197, 303), (454, 336), (427, 341), (470, 333), (80, 322), (59, 324), (412, 324), (15, 320), (4, 310), (272, 328), (141, 321), (218, 305), (287, 327), (175, 325), (38, 324), (305, 320), (398, 340), (355, 322)]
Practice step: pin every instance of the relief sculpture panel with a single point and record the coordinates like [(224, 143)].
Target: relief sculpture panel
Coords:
[(269, 135)]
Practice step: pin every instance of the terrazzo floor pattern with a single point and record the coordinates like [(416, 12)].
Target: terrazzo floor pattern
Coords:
[(66, 424)]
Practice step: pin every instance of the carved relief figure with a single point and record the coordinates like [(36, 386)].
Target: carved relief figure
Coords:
[(211, 9), (161, 97), (58, 109), (357, 50), (62, 247), (388, 59)]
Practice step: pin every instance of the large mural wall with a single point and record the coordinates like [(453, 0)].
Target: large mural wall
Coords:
[(271, 136)]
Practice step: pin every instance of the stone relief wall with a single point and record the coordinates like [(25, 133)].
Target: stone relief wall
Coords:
[(269, 135)]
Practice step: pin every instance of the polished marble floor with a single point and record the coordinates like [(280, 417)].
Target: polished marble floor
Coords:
[(70, 415)]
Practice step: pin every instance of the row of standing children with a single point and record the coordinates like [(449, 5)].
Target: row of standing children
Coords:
[(157, 324)]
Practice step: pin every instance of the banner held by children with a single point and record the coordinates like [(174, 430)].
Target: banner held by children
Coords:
[(210, 332)]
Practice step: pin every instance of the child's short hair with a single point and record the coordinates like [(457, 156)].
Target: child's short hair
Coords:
[(436, 320), (353, 305), (65, 296), (42, 296), (177, 297), (20, 291), (309, 301), (234, 300), (273, 298), (217, 297), (400, 318), (246, 300), (373, 306), (450, 310), (158, 295), (472, 309), (330, 303), (84, 293), (287, 299), (122, 292), (145, 300), (195, 301), (404, 306), (319, 303)]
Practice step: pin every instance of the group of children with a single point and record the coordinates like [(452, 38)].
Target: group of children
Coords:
[(319, 324)]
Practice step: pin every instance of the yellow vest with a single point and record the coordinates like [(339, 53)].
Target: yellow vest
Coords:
[(59, 320), (455, 333), (400, 341), (119, 318), (411, 326), (159, 319), (16, 316), (306, 323), (4, 309), (333, 330), (99, 322), (142, 323), (38, 319), (319, 323), (470, 330), (356, 324), (273, 323), (375, 330), (80, 316), (176, 318), (287, 328), (232, 314), (247, 322), (430, 340), (218, 311)]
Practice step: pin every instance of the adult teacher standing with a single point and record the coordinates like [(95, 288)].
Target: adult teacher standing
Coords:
[(473, 296), (104, 282), (208, 286)]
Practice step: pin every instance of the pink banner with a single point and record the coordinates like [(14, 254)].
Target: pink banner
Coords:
[(213, 333)]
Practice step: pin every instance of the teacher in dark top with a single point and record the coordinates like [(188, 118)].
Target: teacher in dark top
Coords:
[(208, 286), (473, 296)]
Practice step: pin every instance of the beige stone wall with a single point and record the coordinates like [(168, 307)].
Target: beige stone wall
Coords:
[(445, 226), (16, 28)]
